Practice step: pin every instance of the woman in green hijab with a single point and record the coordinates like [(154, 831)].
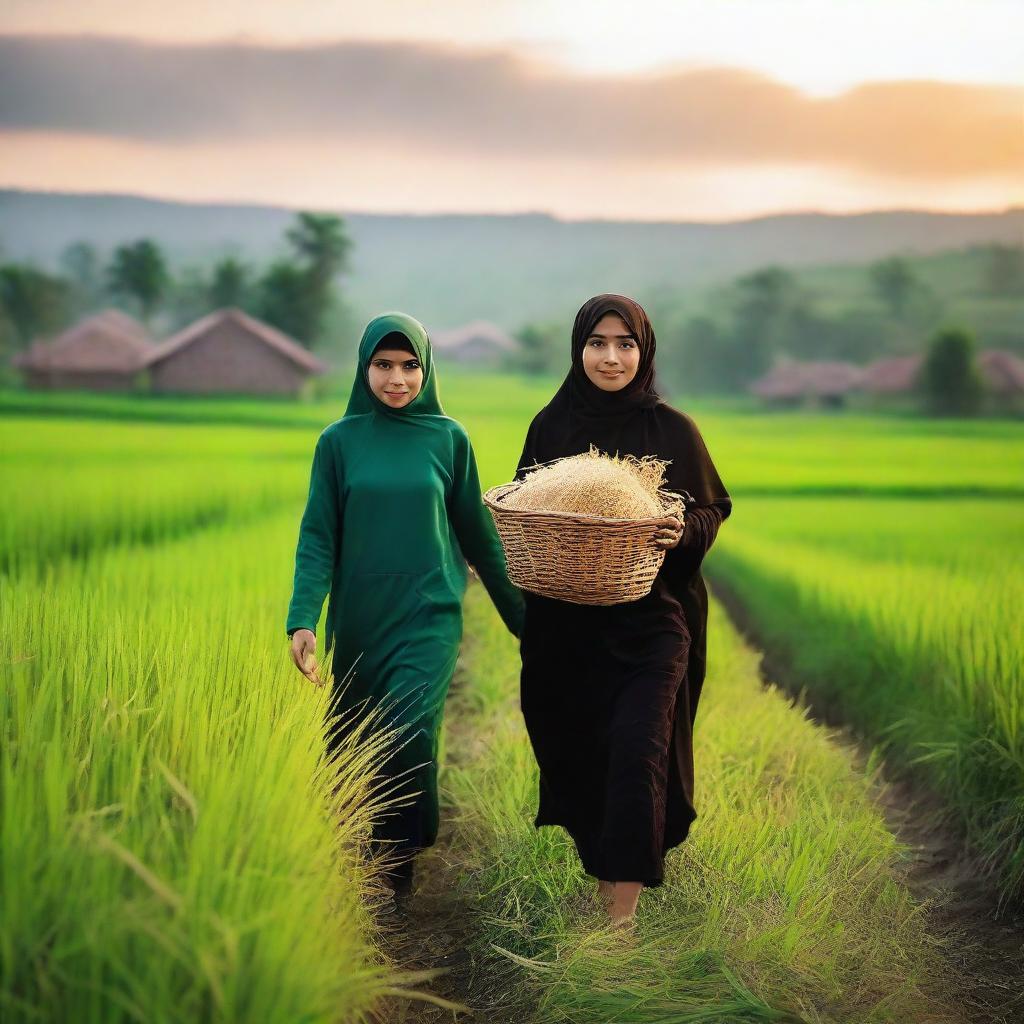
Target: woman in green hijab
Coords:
[(393, 515)]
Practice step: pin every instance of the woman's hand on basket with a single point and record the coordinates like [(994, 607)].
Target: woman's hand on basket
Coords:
[(668, 533), (303, 648)]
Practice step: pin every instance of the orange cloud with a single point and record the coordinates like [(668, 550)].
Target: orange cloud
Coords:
[(491, 106)]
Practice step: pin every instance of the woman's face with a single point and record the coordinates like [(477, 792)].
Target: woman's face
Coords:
[(611, 354), (395, 377)]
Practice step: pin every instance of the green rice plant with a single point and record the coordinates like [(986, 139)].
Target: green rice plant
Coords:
[(857, 454), (74, 488), (757, 452), (174, 845), (905, 618), (266, 410), (470, 391), (785, 903)]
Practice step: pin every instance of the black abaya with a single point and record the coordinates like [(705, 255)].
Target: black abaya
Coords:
[(609, 693)]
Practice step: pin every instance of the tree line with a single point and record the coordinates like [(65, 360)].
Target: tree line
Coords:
[(769, 314), (296, 293)]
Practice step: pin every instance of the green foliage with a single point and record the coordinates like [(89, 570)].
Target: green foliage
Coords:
[(138, 271), (1004, 272), (748, 325), (895, 282), (761, 307), (32, 303), (784, 904), (950, 383), (542, 349), (927, 594), (229, 285), (80, 263), (297, 296), (175, 845), (162, 867), (284, 300)]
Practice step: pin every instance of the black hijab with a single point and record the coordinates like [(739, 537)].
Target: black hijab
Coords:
[(632, 421)]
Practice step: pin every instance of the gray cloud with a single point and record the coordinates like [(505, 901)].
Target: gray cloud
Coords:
[(475, 103)]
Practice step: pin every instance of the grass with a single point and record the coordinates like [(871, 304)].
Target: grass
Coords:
[(81, 487), (904, 616), (174, 847), (785, 903), (170, 848)]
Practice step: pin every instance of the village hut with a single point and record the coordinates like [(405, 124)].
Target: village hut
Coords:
[(892, 376), (479, 343), (826, 383), (831, 381), (780, 386), (101, 352), (1003, 373), (230, 352)]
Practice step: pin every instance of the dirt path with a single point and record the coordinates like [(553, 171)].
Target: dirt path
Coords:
[(988, 949), (437, 930), (436, 933)]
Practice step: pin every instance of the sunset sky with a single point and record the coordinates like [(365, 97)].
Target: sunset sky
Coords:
[(656, 109)]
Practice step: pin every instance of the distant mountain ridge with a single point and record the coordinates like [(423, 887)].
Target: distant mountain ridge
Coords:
[(508, 268)]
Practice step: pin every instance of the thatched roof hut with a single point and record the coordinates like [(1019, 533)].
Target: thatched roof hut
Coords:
[(101, 352), (478, 342), (780, 384), (792, 382), (230, 352), (891, 376), (1002, 371)]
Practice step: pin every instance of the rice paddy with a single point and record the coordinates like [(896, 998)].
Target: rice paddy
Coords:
[(175, 848), (785, 904), (905, 616)]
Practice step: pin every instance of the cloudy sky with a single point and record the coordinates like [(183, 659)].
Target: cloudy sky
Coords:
[(655, 109)]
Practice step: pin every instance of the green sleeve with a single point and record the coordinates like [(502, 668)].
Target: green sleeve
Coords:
[(478, 536), (317, 548)]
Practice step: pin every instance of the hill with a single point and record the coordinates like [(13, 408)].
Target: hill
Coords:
[(508, 268)]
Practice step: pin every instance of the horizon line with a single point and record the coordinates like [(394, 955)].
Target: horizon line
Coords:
[(1009, 208)]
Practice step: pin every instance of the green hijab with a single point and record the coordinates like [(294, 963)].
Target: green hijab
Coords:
[(362, 399)]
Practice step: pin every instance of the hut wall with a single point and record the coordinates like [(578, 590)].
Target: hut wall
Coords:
[(79, 380), (227, 359), (478, 351)]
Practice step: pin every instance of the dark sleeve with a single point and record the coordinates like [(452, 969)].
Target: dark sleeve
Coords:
[(478, 536), (692, 469), (708, 503), (529, 455), (700, 528), (317, 548)]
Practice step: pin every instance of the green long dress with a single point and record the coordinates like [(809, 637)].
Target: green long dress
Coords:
[(394, 513)]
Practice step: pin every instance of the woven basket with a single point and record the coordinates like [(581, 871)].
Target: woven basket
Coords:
[(578, 558)]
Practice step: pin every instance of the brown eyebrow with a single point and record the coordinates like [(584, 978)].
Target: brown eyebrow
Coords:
[(597, 334)]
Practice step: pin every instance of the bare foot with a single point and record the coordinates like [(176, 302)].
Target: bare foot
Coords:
[(606, 893), (627, 925), (623, 905)]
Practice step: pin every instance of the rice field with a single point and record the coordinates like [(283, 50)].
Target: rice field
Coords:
[(904, 616), (175, 848), (785, 904)]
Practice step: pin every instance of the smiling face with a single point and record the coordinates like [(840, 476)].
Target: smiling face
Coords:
[(611, 355), (395, 377)]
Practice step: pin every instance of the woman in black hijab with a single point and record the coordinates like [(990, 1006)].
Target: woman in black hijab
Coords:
[(609, 693)]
